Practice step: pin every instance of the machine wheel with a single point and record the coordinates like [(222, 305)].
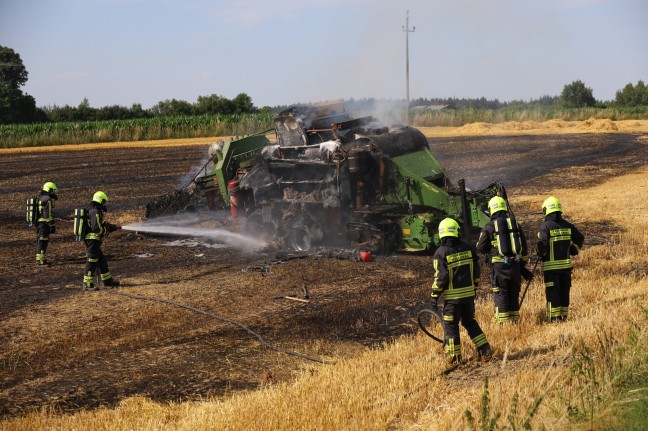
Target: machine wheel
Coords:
[(299, 239)]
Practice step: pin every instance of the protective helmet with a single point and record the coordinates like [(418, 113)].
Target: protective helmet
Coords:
[(50, 188), (100, 197), (448, 227), (497, 204), (551, 205)]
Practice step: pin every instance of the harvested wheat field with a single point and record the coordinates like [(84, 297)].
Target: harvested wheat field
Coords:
[(350, 358)]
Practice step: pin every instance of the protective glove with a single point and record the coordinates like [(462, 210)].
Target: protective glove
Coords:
[(53, 229), (435, 302), (573, 250), (435, 299)]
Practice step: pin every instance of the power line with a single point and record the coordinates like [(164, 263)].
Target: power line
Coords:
[(407, 31)]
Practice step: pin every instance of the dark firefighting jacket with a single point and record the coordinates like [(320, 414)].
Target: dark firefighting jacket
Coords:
[(497, 239), (456, 270), (45, 207), (558, 240), (97, 228)]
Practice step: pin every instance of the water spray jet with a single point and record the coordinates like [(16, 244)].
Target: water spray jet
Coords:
[(176, 228)]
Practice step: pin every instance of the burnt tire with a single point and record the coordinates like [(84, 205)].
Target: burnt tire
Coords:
[(299, 239)]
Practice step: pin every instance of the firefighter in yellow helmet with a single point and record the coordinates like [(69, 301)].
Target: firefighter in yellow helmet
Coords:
[(456, 276), (503, 240), (45, 221), (97, 230), (558, 240)]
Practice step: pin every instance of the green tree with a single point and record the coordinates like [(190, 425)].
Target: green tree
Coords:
[(243, 104), (136, 111), (172, 108), (633, 95), (15, 107), (577, 95), (213, 105), (85, 112)]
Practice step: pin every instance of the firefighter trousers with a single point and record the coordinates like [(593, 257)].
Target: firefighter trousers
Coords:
[(506, 282), (464, 312), (96, 259), (557, 288), (43, 231)]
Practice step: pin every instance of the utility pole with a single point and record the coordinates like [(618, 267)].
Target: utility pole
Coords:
[(407, 31)]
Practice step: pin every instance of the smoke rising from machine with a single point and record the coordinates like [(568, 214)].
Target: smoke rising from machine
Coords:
[(196, 226)]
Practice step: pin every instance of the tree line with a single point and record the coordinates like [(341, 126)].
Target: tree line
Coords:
[(205, 105), (17, 107)]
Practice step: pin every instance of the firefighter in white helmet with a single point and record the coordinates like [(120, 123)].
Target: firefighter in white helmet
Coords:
[(456, 276)]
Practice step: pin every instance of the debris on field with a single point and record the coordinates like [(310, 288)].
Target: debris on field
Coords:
[(292, 298)]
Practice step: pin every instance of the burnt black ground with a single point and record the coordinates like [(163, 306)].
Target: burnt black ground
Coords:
[(71, 350)]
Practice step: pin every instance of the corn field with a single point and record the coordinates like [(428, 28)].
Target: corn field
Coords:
[(44, 134)]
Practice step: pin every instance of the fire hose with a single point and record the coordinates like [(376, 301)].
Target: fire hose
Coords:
[(532, 274), (222, 318), (434, 315)]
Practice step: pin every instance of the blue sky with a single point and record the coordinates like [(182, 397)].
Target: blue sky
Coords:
[(286, 51)]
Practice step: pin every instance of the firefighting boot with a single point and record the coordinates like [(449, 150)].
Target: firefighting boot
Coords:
[(452, 351), (88, 283), (41, 260), (89, 287), (485, 352), (111, 282)]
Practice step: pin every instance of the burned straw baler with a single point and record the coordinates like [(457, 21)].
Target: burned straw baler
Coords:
[(327, 179)]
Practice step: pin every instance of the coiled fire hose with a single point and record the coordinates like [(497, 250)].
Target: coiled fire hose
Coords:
[(434, 315)]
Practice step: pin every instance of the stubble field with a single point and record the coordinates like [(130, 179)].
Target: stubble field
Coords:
[(71, 350)]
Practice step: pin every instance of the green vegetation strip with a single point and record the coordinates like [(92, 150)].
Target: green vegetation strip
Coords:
[(45, 134), (203, 126)]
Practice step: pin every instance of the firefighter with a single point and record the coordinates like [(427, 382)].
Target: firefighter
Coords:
[(456, 276), (97, 230), (558, 240), (45, 221), (504, 243)]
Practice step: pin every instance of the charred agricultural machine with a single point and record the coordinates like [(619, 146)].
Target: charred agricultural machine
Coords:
[(326, 179)]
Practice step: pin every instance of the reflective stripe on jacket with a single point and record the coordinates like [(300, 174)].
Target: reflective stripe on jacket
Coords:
[(45, 206), (489, 243), (555, 238), (96, 229), (456, 270)]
